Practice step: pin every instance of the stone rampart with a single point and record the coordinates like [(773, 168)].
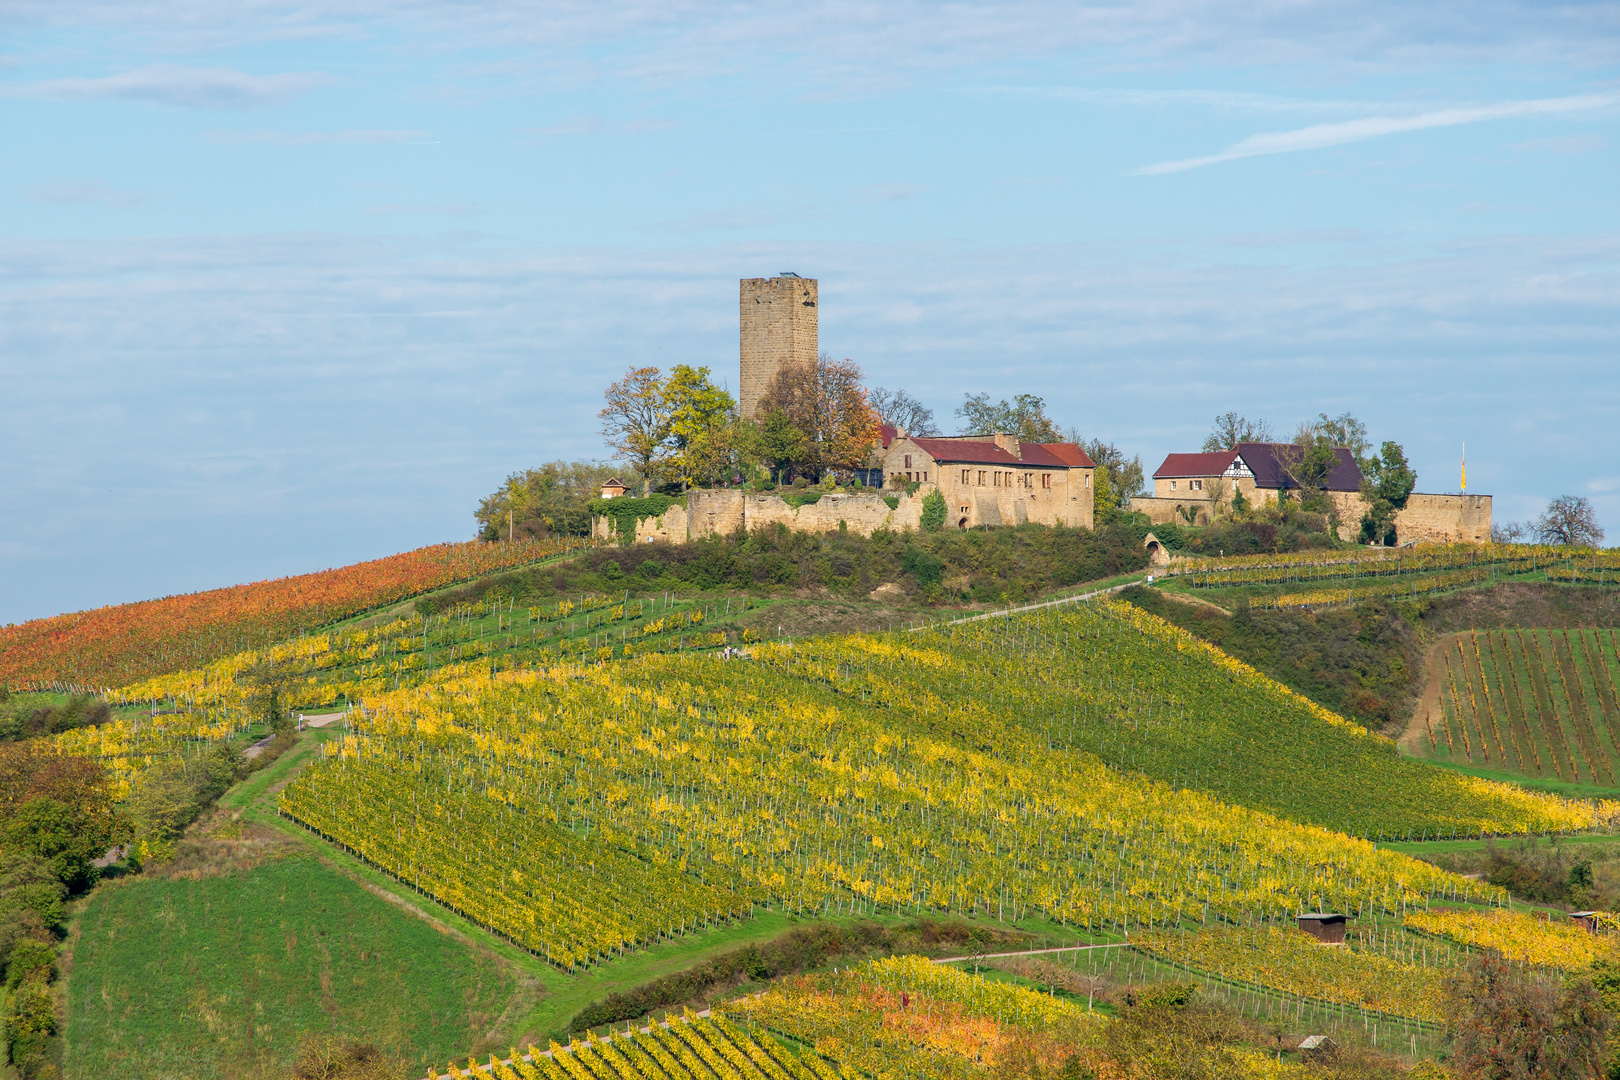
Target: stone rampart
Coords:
[(1434, 519), (722, 512), (1426, 519)]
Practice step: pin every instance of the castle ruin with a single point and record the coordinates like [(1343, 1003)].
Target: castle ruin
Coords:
[(777, 319)]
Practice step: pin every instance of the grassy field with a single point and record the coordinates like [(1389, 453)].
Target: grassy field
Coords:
[(222, 976), (1530, 703)]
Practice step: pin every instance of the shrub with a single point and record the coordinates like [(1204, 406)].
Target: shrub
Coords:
[(933, 511)]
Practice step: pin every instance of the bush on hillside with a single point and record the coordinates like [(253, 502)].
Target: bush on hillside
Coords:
[(1362, 662), (974, 566), (29, 716)]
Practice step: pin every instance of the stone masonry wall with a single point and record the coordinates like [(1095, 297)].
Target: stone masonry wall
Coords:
[(723, 512), (777, 325), (1427, 519)]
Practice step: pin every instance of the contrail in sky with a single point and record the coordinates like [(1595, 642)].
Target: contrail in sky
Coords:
[(1347, 131)]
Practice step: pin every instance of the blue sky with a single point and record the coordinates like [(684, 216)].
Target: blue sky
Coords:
[(285, 285)]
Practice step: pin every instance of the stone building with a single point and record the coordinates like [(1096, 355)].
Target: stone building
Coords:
[(1187, 488), (995, 479), (777, 321)]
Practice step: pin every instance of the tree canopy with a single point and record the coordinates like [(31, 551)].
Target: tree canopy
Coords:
[(1025, 416), (899, 409), (1571, 520)]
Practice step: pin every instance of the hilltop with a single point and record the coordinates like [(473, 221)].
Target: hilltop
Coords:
[(596, 815)]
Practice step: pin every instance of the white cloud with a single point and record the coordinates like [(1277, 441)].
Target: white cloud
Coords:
[(171, 84), (1608, 483), (838, 44), (82, 193), (363, 136), (1318, 136)]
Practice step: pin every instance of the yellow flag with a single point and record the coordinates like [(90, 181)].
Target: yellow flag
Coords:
[(1465, 467)]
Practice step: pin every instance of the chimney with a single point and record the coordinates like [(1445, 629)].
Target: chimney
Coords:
[(900, 433), (1009, 443)]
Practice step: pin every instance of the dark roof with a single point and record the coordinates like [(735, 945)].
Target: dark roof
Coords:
[(1268, 471), (1195, 464), (1322, 916), (974, 452)]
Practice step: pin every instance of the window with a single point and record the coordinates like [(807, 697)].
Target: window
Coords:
[(1172, 483), (1088, 479), (981, 478), (1046, 481), (908, 461), (965, 474), (1198, 485)]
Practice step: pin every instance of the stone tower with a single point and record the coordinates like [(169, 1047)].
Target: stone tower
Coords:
[(777, 320)]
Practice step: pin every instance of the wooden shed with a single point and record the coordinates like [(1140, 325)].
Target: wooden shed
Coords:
[(1586, 920), (613, 488), (1324, 926), (1314, 1047)]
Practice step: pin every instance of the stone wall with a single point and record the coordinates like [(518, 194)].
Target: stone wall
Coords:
[(777, 325), (723, 512), (1427, 519)]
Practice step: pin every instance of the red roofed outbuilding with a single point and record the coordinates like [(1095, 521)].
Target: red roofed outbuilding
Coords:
[(997, 479)]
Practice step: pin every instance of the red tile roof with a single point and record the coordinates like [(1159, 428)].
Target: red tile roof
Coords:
[(888, 433), (1195, 464), (1070, 454), (974, 452)]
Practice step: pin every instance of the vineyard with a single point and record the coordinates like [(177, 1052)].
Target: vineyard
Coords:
[(583, 811), (1405, 984), (1369, 563), (112, 646), (1542, 703), (1530, 939), (889, 1018), (322, 669), (1344, 577)]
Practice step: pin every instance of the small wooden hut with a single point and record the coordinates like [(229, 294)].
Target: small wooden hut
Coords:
[(1587, 920), (613, 488), (1326, 927)]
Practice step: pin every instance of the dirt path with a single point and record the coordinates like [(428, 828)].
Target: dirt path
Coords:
[(1415, 739), (1005, 612)]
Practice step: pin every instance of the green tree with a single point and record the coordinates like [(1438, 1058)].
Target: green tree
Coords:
[(933, 511), (1231, 429), (781, 444), (635, 420), (1387, 483), (1342, 430), (1124, 476), (700, 416), (1024, 417), (541, 501)]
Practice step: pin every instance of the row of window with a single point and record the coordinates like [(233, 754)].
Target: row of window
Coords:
[(1192, 485), (1001, 479)]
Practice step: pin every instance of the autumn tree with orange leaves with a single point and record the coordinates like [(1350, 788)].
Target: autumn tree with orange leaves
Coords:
[(826, 402)]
